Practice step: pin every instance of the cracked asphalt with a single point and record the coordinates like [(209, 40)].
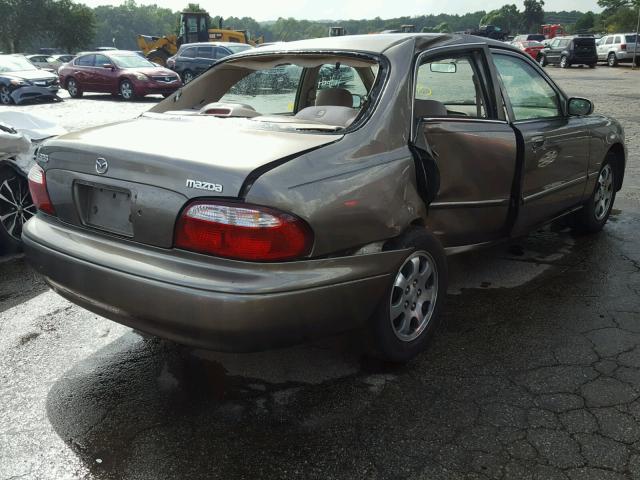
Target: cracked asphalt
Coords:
[(535, 375)]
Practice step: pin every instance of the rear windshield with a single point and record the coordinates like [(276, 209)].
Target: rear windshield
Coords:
[(584, 42), (267, 89), (537, 38), (630, 38)]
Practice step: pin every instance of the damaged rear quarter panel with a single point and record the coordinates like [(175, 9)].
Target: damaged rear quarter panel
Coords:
[(362, 188)]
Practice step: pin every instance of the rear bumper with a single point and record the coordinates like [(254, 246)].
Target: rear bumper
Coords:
[(207, 302)]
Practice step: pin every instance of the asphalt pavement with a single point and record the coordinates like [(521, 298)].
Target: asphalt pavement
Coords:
[(535, 374)]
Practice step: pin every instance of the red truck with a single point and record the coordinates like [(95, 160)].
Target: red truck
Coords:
[(552, 30)]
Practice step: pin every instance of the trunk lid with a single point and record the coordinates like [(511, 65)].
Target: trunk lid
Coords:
[(155, 164)]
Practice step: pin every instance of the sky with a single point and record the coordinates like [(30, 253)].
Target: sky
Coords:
[(349, 9)]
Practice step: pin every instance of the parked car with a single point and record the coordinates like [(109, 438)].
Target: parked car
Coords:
[(530, 37), (618, 48), (530, 47), (258, 218), (118, 72), (21, 81), (20, 135), (63, 58), (567, 51), (44, 62), (194, 58)]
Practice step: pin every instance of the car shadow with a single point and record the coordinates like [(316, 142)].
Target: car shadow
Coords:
[(18, 282), (115, 98), (146, 408)]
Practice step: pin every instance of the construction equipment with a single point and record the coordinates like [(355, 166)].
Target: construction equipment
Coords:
[(489, 31), (194, 27), (337, 31)]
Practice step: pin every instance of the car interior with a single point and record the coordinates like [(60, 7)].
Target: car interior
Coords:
[(308, 91)]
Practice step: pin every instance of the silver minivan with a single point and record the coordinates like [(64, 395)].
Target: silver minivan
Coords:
[(618, 48)]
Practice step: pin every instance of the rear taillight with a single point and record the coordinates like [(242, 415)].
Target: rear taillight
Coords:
[(38, 189), (242, 232), (623, 46)]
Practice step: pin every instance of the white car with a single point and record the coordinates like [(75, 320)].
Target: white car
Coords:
[(618, 48)]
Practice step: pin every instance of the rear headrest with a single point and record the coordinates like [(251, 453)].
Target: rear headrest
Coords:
[(329, 115), (429, 108), (334, 96)]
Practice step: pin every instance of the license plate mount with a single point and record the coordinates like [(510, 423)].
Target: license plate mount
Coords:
[(105, 208)]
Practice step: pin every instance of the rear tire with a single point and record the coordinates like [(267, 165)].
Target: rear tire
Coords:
[(595, 213), (592, 65), (5, 96), (612, 60), (564, 62), (408, 315), (16, 207), (73, 88), (126, 90), (187, 76)]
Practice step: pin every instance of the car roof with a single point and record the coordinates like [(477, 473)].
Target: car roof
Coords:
[(374, 43), (214, 44)]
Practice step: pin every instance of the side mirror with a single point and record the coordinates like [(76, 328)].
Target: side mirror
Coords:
[(579, 107), (107, 65)]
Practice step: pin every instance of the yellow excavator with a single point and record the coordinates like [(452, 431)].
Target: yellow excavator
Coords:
[(194, 27)]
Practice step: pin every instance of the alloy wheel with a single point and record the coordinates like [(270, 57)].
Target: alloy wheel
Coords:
[(72, 88), (564, 63), (188, 76), (126, 90), (5, 96), (604, 193), (612, 61), (16, 206), (413, 296)]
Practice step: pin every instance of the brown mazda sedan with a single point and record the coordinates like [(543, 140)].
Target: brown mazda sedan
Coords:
[(316, 187)]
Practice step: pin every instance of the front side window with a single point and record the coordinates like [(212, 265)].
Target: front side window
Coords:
[(609, 41), (102, 60), (449, 87), (530, 95)]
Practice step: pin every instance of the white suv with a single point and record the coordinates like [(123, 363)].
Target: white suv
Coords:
[(617, 48)]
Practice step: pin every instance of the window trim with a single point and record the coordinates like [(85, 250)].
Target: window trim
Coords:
[(474, 50), (562, 97)]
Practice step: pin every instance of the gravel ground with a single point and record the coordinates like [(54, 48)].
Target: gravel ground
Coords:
[(536, 374)]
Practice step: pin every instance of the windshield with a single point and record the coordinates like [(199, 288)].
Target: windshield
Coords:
[(238, 48), (131, 61), (265, 88), (11, 63), (532, 44)]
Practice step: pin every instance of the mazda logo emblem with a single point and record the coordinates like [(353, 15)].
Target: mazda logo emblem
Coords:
[(101, 166)]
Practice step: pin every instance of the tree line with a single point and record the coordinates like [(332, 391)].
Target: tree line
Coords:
[(26, 25)]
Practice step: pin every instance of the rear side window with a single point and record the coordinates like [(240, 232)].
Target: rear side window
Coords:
[(618, 40), (530, 95), (449, 87), (189, 52), (205, 52), (86, 61)]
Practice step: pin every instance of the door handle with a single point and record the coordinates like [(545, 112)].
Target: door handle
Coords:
[(537, 142)]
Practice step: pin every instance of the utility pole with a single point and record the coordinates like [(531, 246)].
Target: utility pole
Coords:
[(635, 49)]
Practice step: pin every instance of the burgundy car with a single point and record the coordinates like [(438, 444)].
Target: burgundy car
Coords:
[(119, 72)]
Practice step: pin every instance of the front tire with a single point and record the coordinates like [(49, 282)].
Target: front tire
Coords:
[(596, 211), (564, 62), (409, 314), (5, 96), (16, 207), (542, 60), (612, 60)]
